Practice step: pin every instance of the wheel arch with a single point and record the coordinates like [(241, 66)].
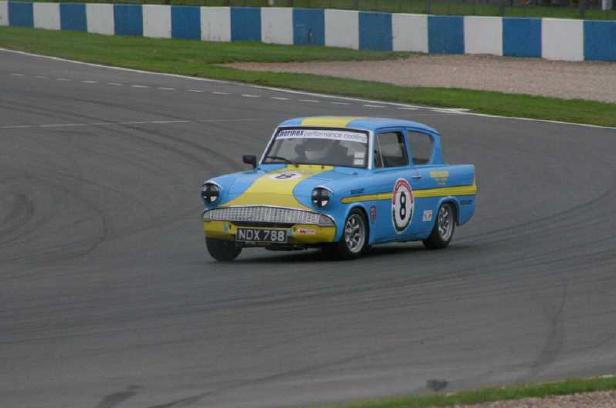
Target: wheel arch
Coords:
[(456, 206), (362, 208)]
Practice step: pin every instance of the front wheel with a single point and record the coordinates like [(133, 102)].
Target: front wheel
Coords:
[(354, 240), (223, 251), (443, 229)]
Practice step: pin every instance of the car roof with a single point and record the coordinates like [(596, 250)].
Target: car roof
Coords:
[(354, 122)]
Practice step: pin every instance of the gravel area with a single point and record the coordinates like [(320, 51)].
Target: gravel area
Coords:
[(570, 80), (586, 400)]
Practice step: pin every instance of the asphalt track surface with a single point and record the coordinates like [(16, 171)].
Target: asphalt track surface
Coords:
[(108, 298)]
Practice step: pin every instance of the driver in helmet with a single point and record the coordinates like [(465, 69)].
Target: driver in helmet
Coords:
[(322, 151)]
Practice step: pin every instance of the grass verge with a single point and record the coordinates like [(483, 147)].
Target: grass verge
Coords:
[(203, 59), (567, 387)]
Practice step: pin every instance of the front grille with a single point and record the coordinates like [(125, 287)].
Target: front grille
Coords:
[(262, 224), (267, 215)]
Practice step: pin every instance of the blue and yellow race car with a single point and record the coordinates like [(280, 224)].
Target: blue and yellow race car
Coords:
[(342, 184)]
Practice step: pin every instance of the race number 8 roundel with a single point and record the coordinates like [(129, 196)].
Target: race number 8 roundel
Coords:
[(402, 204)]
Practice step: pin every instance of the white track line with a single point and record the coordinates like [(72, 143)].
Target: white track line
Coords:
[(59, 125), (291, 91), (451, 110), (89, 82), (16, 127), (139, 86), (167, 122), (123, 123)]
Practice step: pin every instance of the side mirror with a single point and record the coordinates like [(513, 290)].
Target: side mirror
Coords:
[(250, 159)]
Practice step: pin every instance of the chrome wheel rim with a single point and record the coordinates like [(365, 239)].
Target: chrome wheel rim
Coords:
[(445, 222), (354, 233)]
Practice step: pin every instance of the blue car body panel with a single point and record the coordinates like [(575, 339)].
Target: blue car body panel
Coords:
[(371, 189)]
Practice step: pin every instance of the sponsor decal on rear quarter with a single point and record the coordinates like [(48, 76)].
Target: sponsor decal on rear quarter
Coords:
[(427, 216), (372, 214), (440, 177)]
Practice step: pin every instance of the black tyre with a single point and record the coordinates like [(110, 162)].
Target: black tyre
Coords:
[(354, 240), (223, 251), (443, 229)]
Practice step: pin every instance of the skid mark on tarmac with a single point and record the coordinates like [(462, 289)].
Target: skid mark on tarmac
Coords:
[(184, 402), (555, 340), (115, 399)]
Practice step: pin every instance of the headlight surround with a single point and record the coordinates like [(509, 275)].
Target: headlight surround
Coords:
[(325, 221), (210, 193), (321, 197)]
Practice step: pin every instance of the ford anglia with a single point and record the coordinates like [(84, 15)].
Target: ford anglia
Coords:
[(342, 184)]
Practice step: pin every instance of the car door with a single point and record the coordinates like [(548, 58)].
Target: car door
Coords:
[(425, 175), (392, 174)]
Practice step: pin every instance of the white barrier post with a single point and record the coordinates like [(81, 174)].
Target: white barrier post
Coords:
[(100, 18), (483, 35), (46, 15), (277, 25), (606, 4), (4, 13), (409, 32), (216, 24), (156, 21), (342, 28), (562, 39)]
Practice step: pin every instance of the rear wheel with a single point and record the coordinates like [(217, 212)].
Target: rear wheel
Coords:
[(223, 251), (443, 229), (354, 240)]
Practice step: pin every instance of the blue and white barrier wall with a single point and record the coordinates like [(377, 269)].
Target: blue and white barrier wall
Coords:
[(555, 39)]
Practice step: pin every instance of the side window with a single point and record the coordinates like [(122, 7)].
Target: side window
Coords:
[(390, 150), (421, 147)]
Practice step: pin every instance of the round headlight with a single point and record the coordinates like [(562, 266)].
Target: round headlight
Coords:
[(210, 193), (320, 197)]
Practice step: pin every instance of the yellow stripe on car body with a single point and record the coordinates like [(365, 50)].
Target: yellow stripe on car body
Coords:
[(329, 121), (426, 193), (366, 197), (446, 191)]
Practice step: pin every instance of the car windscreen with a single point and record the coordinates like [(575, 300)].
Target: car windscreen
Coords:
[(335, 147)]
